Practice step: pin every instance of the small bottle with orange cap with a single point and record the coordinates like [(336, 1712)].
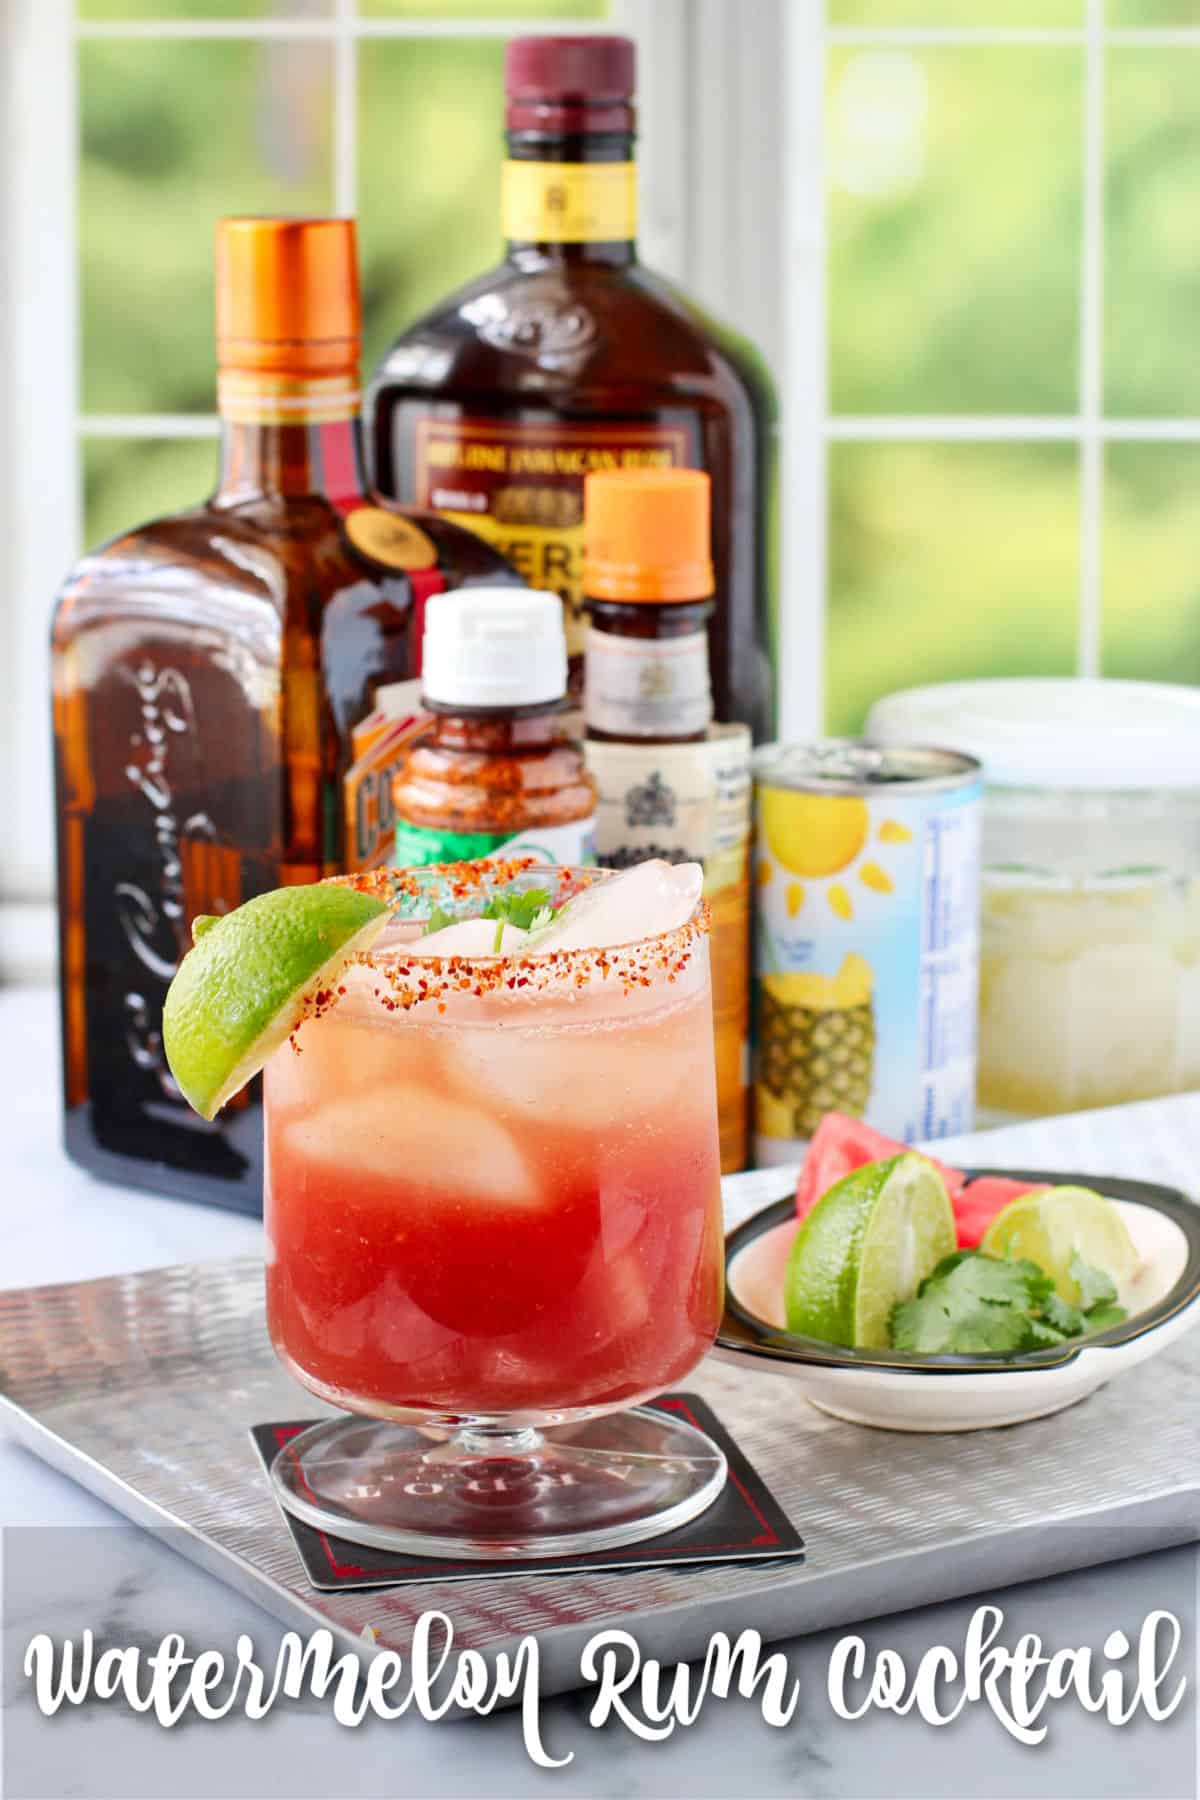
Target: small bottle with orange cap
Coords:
[(648, 586), (669, 782)]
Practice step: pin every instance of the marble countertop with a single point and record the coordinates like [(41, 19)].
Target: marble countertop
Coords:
[(57, 1224)]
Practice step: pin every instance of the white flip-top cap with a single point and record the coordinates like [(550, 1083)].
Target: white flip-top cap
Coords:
[(494, 647), (1050, 732)]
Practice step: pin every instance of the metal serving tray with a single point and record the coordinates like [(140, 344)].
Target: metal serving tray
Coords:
[(143, 1388)]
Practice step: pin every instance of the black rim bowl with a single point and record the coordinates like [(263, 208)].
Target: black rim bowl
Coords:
[(744, 1332)]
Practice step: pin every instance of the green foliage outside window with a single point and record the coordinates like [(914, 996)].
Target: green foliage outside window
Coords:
[(953, 288)]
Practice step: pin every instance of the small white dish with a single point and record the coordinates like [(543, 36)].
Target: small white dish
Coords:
[(902, 1392)]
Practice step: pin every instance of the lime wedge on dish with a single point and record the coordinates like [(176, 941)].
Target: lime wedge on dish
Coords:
[(1057, 1225), (868, 1243), (243, 986)]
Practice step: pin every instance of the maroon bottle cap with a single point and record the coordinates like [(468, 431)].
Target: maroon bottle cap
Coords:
[(564, 85)]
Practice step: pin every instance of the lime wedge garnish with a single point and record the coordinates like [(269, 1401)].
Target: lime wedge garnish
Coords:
[(1054, 1227), (243, 986), (868, 1243)]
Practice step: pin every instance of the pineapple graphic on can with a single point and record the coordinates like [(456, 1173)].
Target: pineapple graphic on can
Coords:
[(867, 875), (816, 1047)]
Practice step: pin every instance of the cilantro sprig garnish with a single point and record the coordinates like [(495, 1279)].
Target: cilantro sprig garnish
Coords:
[(528, 911), (973, 1303)]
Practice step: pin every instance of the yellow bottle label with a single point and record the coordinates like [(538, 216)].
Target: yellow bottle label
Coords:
[(569, 203)]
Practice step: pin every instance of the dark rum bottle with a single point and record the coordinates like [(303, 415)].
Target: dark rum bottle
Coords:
[(231, 688), (571, 357)]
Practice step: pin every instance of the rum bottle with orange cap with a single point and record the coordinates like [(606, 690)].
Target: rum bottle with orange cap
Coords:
[(231, 688), (571, 356), (669, 783)]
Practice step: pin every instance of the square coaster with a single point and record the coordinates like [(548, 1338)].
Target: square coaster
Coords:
[(745, 1524)]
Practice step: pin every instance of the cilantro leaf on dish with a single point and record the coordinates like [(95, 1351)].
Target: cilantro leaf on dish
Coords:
[(976, 1304), (1101, 1317), (1066, 1319), (1095, 1287)]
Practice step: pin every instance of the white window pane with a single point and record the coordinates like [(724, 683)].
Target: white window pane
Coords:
[(1151, 622), (203, 9), (974, 14), (955, 180), (946, 562), (1153, 12), (437, 105), (173, 135), (1151, 275), (128, 481)]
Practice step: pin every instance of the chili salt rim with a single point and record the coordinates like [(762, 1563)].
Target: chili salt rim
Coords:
[(635, 965)]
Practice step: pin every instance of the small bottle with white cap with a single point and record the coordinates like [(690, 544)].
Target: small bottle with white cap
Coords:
[(497, 770)]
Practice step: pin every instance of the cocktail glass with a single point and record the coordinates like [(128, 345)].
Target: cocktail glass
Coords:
[(493, 1227)]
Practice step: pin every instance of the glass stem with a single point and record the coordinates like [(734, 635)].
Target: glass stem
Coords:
[(494, 1440)]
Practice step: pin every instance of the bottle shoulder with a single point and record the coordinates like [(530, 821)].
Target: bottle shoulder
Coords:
[(215, 560), (579, 334)]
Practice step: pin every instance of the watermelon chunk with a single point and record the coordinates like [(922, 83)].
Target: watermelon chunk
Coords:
[(840, 1144), (978, 1203)]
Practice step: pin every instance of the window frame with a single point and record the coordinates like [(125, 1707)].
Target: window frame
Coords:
[(733, 207), (40, 494), (687, 155)]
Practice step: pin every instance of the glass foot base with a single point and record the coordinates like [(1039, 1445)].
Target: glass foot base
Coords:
[(486, 1495)]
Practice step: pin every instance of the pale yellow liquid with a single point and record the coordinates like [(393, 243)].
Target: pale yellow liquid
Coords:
[(1089, 994)]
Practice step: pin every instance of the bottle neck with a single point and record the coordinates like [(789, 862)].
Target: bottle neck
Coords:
[(649, 618), (570, 199), (509, 732), (287, 437)]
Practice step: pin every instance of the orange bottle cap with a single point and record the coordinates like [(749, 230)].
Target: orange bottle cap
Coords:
[(287, 296), (647, 535)]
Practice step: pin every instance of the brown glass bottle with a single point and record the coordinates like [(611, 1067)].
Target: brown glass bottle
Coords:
[(569, 356), (209, 672), (497, 768)]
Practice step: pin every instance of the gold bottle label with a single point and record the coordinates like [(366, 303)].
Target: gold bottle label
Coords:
[(521, 488), (256, 397), (390, 538), (569, 203)]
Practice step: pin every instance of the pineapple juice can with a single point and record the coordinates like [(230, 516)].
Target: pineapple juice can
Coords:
[(866, 872)]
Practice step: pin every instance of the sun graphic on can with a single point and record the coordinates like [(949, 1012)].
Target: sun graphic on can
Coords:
[(814, 837), (817, 1031)]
